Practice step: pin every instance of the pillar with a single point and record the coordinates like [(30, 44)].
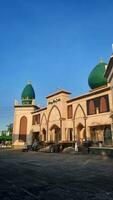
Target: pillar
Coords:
[(75, 134), (112, 130), (88, 135)]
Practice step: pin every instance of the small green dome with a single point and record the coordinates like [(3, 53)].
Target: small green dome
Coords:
[(96, 77), (28, 94)]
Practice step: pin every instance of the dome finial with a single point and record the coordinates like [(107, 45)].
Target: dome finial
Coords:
[(112, 49), (29, 82), (101, 60)]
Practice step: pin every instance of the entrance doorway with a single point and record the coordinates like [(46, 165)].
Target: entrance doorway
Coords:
[(80, 132), (55, 134), (23, 129), (36, 136), (70, 134)]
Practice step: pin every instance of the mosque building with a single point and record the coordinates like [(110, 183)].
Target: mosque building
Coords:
[(66, 119)]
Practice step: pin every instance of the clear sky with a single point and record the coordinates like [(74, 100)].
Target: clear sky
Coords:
[(53, 43)]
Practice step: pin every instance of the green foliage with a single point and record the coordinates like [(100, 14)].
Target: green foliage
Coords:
[(6, 138), (10, 128)]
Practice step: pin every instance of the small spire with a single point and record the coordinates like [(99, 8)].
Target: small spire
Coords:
[(101, 60), (112, 49), (58, 89), (29, 82)]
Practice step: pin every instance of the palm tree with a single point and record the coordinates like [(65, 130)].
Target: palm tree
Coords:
[(10, 128)]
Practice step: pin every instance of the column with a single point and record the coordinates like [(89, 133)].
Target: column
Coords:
[(65, 134), (62, 125), (88, 135), (75, 134), (112, 130)]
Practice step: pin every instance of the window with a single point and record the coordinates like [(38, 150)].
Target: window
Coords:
[(98, 105), (103, 104), (33, 122), (91, 107), (69, 112), (36, 119)]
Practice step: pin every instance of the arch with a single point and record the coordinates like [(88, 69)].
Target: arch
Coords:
[(52, 136), (54, 126), (77, 109), (81, 132), (51, 111), (55, 133), (44, 132), (80, 126), (43, 116), (23, 129), (44, 127)]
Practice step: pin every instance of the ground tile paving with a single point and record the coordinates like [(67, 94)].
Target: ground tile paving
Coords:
[(52, 176)]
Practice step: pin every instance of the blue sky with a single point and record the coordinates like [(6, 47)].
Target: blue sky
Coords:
[(53, 43)]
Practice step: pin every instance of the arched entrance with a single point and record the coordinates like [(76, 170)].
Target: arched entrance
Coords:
[(80, 132), (54, 125), (23, 129), (55, 134), (80, 123)]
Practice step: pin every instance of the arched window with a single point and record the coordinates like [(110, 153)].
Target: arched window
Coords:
[(103, 104), (69, 112), (91, 107), (23, 129)]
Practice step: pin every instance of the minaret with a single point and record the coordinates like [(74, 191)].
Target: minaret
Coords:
[(22, 132)]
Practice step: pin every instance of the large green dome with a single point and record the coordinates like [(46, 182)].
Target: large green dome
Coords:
[(96, 77), (28, 94)]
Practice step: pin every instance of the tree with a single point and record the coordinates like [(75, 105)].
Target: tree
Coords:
[(10, 128)]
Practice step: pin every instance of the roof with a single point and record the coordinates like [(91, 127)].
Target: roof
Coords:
[(40, 109), (28, 92), (96, 78), (26, 105), (93, 92), (58, 92)]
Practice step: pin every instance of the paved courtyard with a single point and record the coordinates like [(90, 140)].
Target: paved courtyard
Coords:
[(32, 175)]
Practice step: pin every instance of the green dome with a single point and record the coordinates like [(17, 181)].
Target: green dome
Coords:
[(28, 94), (96, 77)]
